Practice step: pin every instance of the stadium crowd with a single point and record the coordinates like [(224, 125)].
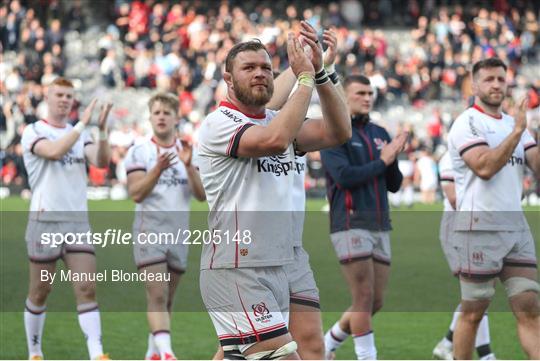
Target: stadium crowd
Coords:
[(181, 47)]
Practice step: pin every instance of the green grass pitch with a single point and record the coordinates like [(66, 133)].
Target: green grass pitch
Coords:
[(419, 301)]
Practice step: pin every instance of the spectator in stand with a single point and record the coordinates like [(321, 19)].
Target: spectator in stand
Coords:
[(181, 46), (434, 129)]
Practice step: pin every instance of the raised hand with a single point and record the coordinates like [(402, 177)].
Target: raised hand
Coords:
[(310, 38), (166, 160), (298, 60), (520, 112), (103, 115), (390, 151), (400, 140), (186, 153), (87, 114), (330, 40)]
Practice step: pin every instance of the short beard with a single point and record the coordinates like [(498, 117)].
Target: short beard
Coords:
[(485, 99), (246, 96)]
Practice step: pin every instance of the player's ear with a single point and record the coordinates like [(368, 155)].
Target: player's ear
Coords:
[(228, 79), (474, 88)]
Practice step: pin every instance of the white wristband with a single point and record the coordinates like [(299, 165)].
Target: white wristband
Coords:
[(79, 127), (330, 68), (103, 135)]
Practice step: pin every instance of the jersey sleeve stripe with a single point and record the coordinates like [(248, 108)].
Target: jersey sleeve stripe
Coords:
[(88, 143), (34, 144), (304, 301), (529, 146), (447, 178), (134, 169), (231, 140), (472, 145), (234, 143)]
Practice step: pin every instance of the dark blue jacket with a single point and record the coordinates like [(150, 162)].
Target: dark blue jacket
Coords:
[(357, 180)]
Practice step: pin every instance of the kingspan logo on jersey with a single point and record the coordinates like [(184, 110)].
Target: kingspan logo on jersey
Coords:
[(171, 178), (70, 159), (279, 165), (515, 160)]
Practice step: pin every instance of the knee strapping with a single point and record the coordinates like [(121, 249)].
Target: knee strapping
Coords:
[(278, 354), (477, 291), (516, 285)]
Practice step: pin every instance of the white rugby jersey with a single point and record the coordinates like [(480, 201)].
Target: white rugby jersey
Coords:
[(167, 206), (245, 194), (58, 186), (446, 175), (495, 204)]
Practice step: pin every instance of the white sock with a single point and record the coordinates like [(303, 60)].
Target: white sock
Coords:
[(89, 320), (364, 346), (482, 335), (334, 337), (34, 320), (152, 349), (162, 340)]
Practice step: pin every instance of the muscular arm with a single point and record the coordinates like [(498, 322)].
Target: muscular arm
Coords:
[(485, 162), (335, 126), (55, 149), (98, 154), (195, 184), (283, 85), (449, 190), (258, 141), (532, 155), (140, 183)]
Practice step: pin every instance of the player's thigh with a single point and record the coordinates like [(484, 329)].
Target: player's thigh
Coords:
[(157, 286), (173, 285), (174, 281), (83, 264), (39, 275), (382, 255), (80, 262), (305, 322), (360, 277), (381, 276), (525, 272)]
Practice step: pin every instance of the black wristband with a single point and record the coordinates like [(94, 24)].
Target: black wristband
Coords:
[(320, 74), (334, 77), (322, 80)]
